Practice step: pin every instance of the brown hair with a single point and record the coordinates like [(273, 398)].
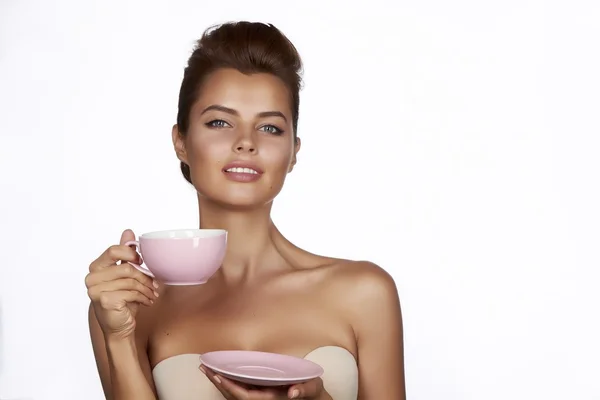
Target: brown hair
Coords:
[(249, 47)]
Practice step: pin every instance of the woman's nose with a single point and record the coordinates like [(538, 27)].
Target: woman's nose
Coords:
[(245, 143)]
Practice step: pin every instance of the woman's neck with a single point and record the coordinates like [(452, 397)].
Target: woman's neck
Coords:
[(252, 238)]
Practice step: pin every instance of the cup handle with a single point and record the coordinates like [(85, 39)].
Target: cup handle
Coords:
[(140, 268)]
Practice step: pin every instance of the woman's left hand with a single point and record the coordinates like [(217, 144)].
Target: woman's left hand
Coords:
[(310, 390)]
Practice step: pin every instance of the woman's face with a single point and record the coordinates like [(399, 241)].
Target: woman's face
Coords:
[(240, 143)]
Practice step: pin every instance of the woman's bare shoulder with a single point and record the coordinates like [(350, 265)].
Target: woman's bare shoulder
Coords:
[(363, 283), (366, 271), (365, 276)]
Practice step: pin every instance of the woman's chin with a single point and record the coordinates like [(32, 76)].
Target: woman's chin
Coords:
[(240, 202)]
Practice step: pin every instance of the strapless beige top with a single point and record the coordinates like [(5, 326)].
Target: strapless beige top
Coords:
[(178, 377)]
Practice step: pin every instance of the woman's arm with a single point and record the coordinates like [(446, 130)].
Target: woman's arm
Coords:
[(377, 320), (123, 365)]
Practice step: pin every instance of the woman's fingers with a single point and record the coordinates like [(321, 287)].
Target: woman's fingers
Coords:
[(118, 300), (310, 389), (112, 255), (122, 271), (238, 391), (128, 284)]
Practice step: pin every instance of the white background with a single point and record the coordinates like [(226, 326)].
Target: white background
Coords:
[(454, 143)]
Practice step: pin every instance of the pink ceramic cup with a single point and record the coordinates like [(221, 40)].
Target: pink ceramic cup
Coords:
[(181, 256)]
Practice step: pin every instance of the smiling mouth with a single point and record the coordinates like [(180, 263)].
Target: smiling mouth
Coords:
[(239, 170)]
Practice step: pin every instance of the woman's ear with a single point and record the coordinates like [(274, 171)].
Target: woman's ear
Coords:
[(294, 157), (179, 144)]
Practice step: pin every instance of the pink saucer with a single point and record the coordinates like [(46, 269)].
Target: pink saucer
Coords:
[(260, 368)]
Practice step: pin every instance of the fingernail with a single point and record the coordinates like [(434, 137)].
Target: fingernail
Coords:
[(217, 379), (156, 293), (155, 284), (295, 394)]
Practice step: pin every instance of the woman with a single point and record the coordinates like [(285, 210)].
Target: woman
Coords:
[(238, 108)]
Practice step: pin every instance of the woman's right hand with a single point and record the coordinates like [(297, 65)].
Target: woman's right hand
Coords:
[(116, 290)]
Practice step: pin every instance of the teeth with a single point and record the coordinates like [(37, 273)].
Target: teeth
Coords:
[(242, 170)]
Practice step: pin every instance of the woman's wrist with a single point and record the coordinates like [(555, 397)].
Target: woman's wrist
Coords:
[(127, 378), (325, 396), (119, 342)]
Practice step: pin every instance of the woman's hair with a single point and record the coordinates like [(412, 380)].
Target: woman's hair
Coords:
[(249, 47)]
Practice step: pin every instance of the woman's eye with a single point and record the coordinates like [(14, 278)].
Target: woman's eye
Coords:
[(272, 129), (217, 123)]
